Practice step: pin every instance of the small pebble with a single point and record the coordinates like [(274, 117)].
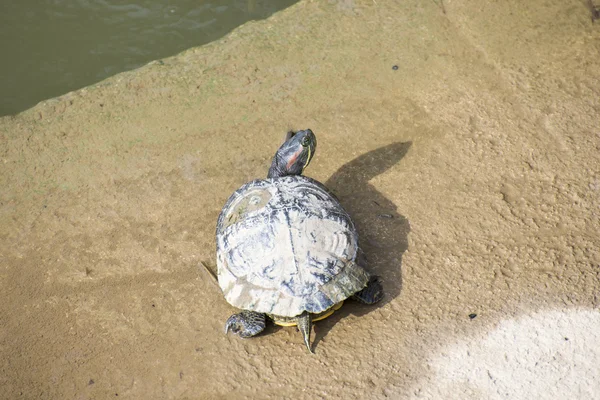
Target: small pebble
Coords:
[(395, 67), (472, 316)]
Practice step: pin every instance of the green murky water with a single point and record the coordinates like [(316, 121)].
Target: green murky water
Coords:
[(51, 47)]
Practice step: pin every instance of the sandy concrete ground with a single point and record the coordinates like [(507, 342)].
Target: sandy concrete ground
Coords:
[(483, 145)]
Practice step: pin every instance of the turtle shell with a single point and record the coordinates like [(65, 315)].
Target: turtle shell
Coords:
[(285, 246)]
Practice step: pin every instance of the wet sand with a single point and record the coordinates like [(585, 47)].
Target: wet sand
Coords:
[(472, 172)]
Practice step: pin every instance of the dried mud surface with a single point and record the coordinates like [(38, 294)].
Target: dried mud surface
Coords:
[(472, 171)]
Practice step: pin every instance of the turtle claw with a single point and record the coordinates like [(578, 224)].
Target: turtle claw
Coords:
[(246, 324), (372, 293)]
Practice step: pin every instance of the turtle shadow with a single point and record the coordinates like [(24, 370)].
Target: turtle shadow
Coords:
[(383, 231)]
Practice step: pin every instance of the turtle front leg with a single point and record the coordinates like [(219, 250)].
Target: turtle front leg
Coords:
[(246, 324), (372, 293)]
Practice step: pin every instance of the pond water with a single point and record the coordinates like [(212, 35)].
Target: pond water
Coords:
[(51, 47)]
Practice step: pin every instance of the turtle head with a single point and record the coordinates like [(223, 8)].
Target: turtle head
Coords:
[(294, 154)]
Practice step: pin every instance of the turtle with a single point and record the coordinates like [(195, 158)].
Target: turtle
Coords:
[(287, 250)]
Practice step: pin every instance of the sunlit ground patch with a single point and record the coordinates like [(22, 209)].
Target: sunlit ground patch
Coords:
[(547, 355)]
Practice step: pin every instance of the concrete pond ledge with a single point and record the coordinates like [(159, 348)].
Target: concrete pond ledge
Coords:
[(463, 139)]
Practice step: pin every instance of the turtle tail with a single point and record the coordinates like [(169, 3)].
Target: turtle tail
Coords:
[(305, 326)]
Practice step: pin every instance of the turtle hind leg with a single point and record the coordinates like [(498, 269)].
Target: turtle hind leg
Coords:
[(246, 324), (372, 293), (305, 326)]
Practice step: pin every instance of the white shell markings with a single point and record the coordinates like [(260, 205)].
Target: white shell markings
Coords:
[(286, 246)]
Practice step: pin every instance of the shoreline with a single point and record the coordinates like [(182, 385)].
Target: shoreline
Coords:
[(481, 146)]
